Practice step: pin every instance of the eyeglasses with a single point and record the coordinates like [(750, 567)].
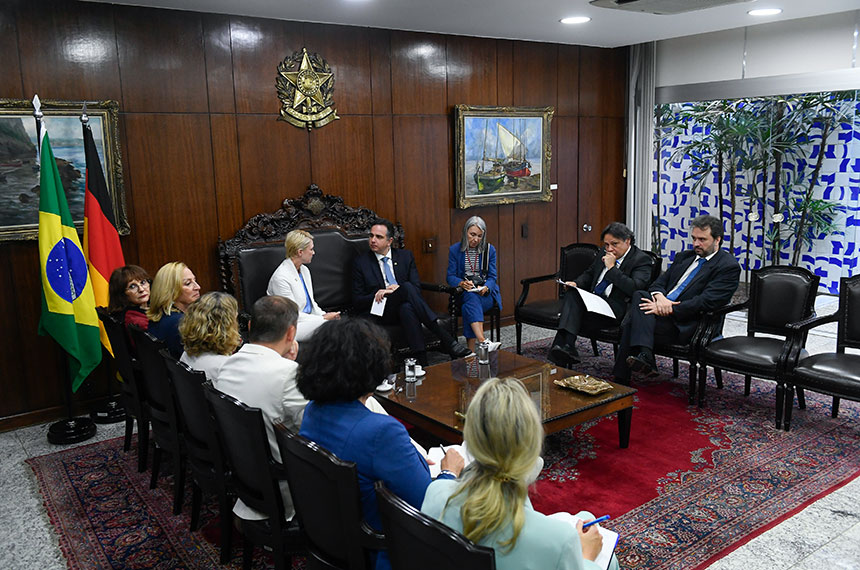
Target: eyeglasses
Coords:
[(135, 286)]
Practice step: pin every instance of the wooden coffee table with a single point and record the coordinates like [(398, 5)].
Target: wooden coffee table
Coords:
[(438, 402)]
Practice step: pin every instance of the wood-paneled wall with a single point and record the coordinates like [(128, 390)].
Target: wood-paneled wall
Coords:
[(203, 152)]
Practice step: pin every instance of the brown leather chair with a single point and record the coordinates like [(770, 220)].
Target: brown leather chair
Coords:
[(573, 260), (834, 373), (419, 542), (778, 296)]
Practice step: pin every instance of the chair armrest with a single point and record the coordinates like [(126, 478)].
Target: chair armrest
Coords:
[(371, 538), (726, 309), (438, 288), (527, 282), (813, 321)]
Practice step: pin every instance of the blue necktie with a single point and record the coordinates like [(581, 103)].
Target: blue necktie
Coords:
[(604, 283), (309, 308), (673, 295), (388, 274)]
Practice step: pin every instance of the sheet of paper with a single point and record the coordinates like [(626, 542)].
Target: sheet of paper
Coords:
[(378, 308), (437, 453), (610, 538), (595, 303)]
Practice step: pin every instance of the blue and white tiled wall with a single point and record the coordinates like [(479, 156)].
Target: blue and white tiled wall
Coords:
[(831, 256)]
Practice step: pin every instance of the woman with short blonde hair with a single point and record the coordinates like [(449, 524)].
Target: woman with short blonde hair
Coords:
[(210, 332), (489, 503), (173, 290), (292, 279)]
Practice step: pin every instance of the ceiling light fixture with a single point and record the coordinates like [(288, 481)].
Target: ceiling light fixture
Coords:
[(765, 12), (575, 20)]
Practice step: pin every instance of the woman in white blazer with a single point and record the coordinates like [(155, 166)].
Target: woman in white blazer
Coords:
[(292, 280)]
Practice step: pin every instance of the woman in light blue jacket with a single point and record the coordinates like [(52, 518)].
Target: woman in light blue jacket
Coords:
[(489, 502)]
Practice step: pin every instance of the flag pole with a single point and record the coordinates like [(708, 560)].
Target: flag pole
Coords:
[(72, 429), (110, 411)]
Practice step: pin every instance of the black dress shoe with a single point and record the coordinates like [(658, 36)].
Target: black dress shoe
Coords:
[(564, 355), (458, 350), (643, 363)]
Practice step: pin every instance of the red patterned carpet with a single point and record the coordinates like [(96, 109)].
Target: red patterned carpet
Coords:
[(693, 485)]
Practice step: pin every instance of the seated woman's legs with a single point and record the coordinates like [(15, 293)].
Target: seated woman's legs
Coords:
[(473, 308)]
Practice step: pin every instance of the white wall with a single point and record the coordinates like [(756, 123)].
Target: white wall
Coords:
[(822, 45)]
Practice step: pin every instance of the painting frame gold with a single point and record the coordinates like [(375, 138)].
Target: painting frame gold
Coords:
[(102, 115), (497, 149)]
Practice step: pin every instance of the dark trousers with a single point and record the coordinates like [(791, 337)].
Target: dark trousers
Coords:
[(641, 330), (407, 308), (575, 319)]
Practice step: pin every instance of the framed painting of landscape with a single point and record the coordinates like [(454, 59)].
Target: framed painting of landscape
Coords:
[(19, 169), (503, 155)]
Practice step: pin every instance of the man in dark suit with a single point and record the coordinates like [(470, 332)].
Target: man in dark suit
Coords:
[(700, 279), (618, 271), (390, 274)]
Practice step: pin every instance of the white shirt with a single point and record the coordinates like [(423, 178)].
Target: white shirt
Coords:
[(261, 378), (605, 269), (379, 257), (690, 270), (285, 281), (208, 362)]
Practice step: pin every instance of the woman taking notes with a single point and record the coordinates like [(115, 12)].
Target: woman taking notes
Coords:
[(489, 502), (472, 268), (292, 280)]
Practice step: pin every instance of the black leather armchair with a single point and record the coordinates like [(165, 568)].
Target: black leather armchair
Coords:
[(574, 259), (834, 373), (778, 296)]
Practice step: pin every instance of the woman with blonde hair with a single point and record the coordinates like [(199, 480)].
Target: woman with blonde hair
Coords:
[(292, 280), (173, 290), (489, 503), (210, 332)]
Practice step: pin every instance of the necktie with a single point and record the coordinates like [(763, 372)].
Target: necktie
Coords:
[(308, 305), (675, 293), (389, 276), (604, 283)]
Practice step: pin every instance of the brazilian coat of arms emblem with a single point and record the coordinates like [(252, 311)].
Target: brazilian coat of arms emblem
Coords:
[(305, 85)]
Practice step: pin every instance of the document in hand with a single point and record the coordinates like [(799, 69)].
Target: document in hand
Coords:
[(610, 538), (595, 303), (437, 453), (378, 308)]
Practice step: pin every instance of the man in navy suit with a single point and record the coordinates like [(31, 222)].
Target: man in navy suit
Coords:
[(390, 274), (616, 273), (700, 279)]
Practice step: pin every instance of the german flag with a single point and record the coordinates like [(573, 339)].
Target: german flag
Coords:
[(101, 240)]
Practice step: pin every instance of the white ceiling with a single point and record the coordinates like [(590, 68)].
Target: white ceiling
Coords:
[(536, 20)]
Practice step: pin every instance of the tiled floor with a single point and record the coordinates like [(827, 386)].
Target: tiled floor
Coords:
[(825, 534)]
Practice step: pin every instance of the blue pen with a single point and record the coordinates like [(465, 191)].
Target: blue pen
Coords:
[(595, 521)]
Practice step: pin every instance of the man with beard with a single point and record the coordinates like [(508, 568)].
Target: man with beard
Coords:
[(700, 279)]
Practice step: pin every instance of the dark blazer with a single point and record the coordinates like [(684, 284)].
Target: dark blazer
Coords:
[(633, 274), (711, 288), (367, 277)]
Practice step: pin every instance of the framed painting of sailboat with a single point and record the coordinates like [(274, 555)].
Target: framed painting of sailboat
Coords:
[(503, 155)]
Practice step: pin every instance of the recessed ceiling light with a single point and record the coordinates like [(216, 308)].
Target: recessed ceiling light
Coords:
[(765, 12), (575, 20)]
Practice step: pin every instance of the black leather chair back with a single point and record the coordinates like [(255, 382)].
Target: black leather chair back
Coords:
[(125, 365), (326, 497), (242, 434), (848, 331), (574, 259), (162, 408), (419, 542), (656, 265), (778, 296), (198, 426), (330, 268)]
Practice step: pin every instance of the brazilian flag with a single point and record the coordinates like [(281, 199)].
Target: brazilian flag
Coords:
[(68, 304)]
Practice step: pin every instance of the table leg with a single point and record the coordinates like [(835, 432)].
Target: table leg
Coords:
[(624, 418)]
